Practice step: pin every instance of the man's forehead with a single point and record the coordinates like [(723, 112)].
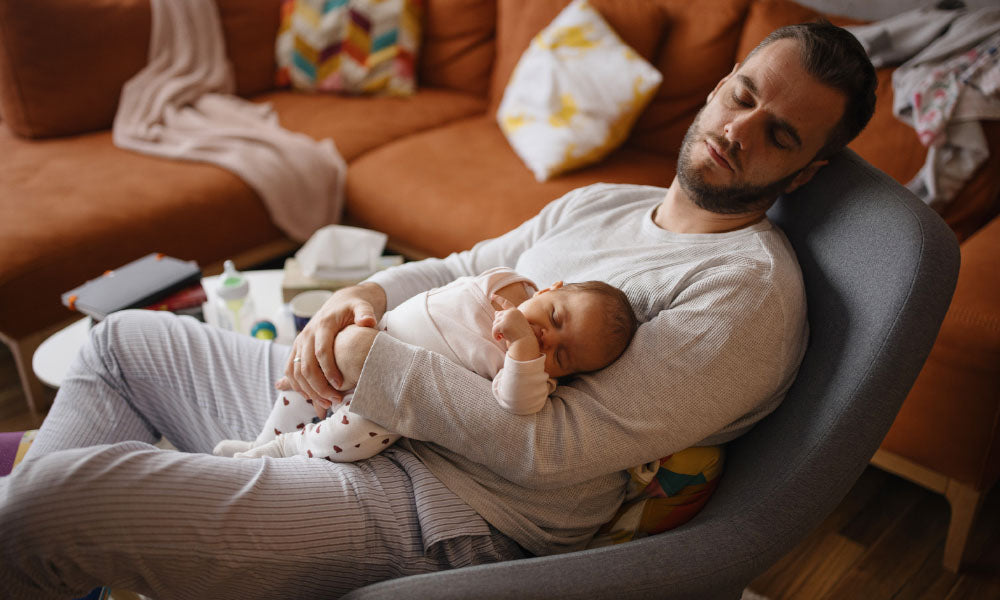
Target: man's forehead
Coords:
[(775, 66)]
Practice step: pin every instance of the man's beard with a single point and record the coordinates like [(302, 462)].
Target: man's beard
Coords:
[(722, 199)]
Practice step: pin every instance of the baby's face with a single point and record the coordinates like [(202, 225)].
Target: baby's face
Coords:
[(567, 325)]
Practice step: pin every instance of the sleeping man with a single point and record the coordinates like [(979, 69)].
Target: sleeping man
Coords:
[(715, 286)]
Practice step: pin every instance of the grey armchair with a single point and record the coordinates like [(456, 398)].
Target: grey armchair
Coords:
[(879, 269)]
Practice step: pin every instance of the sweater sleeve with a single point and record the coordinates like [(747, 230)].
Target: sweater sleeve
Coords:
[(722, 349), (522, 386), (410, 279)]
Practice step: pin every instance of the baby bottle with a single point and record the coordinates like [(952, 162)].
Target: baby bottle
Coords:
[(235, 309)]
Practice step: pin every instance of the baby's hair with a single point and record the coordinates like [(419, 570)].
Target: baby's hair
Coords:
[(621, 322)]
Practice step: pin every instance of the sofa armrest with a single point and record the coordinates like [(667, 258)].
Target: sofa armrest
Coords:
[(973, 320), (956, 397)]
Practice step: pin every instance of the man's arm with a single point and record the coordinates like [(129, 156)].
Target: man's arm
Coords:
[(312, 369), (316, 375), (715, 355)]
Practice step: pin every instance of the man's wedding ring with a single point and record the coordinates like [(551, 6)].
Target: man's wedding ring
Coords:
[(296, 359)]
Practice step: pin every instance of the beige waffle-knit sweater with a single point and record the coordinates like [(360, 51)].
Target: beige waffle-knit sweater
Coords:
[(724, 329)]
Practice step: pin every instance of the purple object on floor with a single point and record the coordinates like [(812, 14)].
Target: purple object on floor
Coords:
[(9, 442)]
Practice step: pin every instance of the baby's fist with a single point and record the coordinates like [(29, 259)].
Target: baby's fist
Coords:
[(511, 325)]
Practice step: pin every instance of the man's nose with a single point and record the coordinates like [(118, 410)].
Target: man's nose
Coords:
[(739, 130)]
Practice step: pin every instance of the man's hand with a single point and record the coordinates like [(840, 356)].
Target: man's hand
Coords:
[(314, 369)]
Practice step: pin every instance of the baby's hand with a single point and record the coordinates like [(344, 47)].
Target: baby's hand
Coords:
[(512, 328), (509, 324)]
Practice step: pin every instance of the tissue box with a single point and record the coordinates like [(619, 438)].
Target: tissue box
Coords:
[(341, 252), (295, 282)]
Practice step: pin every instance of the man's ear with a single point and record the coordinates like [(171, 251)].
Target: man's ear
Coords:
[(805, 175), (553, 287), (721, 83)]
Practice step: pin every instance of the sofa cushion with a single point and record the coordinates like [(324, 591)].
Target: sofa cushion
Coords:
[(575, 93), (358, 124), (398, 188), (459, 45), (887, 142), (696, 52), (639, 23), (74, 207), (456, 50), (349, 46), (250, 29), (63, 62), (691, 43)]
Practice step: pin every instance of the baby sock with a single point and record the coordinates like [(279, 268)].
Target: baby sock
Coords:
[(231, 447)]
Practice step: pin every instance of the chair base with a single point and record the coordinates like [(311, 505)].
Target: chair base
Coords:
[(964, 499)]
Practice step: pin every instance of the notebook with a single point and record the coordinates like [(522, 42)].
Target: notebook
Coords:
[(135, 285)]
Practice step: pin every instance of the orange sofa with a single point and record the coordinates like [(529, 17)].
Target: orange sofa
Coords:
[(433, 171)]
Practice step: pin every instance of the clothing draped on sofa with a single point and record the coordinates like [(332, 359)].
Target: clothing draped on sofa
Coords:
[(948, 81), (182, 106)]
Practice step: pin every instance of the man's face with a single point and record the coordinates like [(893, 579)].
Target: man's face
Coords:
[(759, 132)]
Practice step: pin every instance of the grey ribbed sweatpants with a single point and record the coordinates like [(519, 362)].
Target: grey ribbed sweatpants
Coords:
[(95, 504)]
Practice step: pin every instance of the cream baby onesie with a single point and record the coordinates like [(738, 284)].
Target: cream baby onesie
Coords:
[(456, 321)]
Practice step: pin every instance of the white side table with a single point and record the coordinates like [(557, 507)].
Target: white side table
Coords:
[(54, 356)]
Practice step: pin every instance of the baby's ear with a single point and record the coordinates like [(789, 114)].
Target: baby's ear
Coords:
[(553, 287)]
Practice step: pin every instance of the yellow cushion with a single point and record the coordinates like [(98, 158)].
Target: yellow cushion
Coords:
[(575, 93)]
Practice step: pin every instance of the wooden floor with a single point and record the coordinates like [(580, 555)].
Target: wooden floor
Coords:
[(884, 540)]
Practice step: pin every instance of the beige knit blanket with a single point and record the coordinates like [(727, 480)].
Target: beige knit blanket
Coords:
[(182, 106)]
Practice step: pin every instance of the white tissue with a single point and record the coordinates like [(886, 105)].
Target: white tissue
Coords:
[(341, 252)]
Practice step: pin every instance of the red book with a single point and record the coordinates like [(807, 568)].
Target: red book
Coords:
[(189, 297)]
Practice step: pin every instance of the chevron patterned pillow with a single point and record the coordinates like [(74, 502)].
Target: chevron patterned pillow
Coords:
[(349, 46)]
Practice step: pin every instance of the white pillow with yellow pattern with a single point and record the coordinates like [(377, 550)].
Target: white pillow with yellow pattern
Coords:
[(575, 93)]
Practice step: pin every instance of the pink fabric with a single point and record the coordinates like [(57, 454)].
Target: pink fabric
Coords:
[(181, 106), (463, 313)]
